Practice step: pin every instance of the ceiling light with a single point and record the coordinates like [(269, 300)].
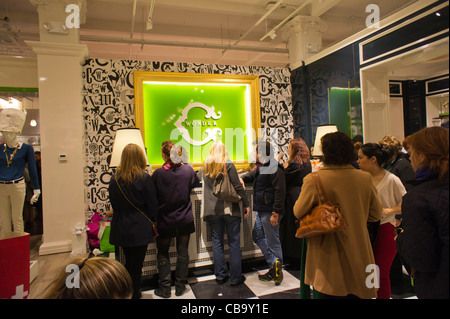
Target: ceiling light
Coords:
[(47, 26), (272, 34), (149, 24), (55, 27), (33, 123)]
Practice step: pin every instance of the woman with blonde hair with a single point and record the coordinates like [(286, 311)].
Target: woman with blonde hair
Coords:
[(423, 241), (221, 215), (134, 203), (94, 278)]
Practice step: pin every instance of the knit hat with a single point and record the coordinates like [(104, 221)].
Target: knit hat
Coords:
[(12, 120)]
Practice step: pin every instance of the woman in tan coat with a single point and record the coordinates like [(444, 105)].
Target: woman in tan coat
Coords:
[(342, 264)]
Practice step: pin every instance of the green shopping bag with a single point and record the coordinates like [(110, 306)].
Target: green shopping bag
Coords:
[(103, 235)]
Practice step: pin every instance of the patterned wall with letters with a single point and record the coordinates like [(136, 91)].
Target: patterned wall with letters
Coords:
[(108, 102)]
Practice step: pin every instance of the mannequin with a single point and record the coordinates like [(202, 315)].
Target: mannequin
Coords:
[(14, 155)]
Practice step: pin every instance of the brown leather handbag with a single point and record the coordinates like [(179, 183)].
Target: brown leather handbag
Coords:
[(224, 189), (323, 219)]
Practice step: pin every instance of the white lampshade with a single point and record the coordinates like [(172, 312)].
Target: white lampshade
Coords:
[(321, 131), (124, 137)]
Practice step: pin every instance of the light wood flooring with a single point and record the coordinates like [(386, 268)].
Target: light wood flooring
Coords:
[(49, 267)]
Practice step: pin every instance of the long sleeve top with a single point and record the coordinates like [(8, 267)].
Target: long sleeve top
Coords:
[(129, 227), (214, 206), (269, 187), (24, 155), (336, 263), (424, 243), (173, 188)]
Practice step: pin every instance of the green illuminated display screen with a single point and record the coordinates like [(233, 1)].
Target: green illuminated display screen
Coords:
[(345, 110), (193, 115)]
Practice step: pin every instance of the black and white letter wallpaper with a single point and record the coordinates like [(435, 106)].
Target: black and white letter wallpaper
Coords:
[(108, 102)]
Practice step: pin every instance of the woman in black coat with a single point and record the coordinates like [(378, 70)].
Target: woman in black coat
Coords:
[(423, 241), (134, 203), (296, 168)]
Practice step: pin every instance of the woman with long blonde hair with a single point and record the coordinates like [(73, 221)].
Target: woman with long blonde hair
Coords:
[(221, 215), (216, 160), (134, 203)]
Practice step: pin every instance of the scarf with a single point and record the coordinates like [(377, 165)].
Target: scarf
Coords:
[(169, 164), (424, 173)]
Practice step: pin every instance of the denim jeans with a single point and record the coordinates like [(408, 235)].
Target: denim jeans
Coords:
[(233, 228), (267, 237)]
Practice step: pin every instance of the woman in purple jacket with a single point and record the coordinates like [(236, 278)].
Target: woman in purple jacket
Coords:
[(174, 182)]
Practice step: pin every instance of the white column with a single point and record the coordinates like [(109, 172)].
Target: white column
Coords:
[(304, 35), (375, 105), (59, 60)]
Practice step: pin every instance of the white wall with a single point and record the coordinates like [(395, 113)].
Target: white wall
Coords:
[(434, 108), (18, 72), (397, 120)]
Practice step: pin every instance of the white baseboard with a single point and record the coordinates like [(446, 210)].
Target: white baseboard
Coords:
[(34, 269), (55, 247)]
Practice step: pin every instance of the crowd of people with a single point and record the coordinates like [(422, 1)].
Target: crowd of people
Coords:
[(394, 201)]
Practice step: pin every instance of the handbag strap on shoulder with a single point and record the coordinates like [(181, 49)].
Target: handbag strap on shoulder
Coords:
[(140, 211), (319, 186)]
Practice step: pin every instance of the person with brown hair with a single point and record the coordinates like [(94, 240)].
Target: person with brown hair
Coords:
[(174, 182), (296, 167), (94, 278), (134, 203), (399, 164), (221, 215), (423, 240), (337, 263)]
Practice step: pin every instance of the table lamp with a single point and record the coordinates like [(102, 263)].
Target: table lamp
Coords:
[(125, 136), (321, 131)]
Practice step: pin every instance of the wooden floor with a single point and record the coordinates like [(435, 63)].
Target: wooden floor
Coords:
[(49, 267)]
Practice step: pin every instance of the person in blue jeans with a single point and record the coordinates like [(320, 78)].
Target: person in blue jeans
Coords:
[(269, 192), (221, 215)]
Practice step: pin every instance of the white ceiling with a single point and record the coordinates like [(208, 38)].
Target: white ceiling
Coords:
[(194, 31)]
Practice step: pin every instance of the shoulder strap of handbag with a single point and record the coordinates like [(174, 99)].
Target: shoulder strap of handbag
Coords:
[(319, 186), (131, 202), (223, 172)]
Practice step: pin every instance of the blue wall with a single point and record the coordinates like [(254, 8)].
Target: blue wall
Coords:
[(310, 85)]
